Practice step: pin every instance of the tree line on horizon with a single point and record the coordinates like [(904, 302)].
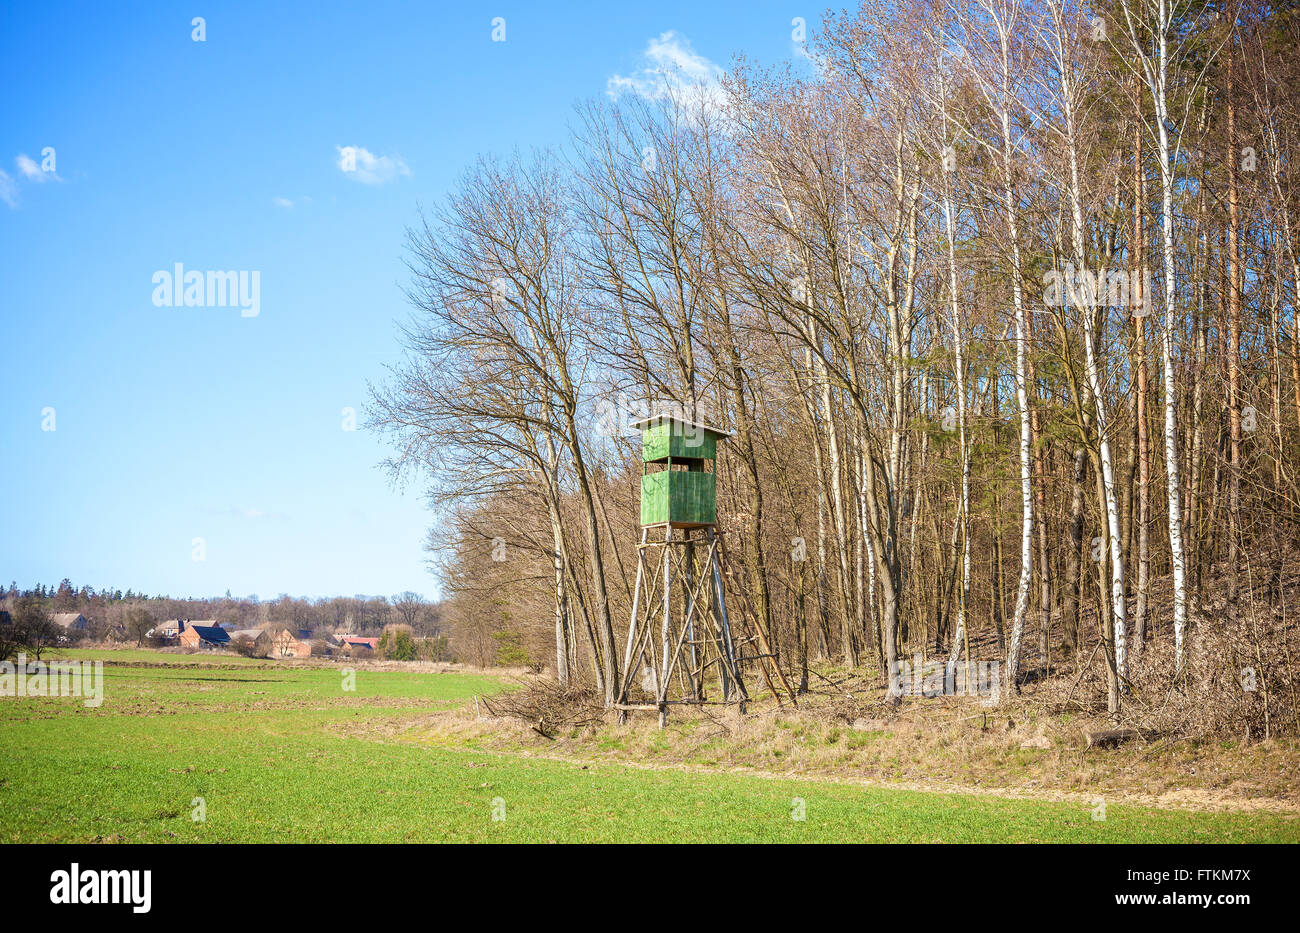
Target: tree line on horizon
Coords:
[(116, 615)]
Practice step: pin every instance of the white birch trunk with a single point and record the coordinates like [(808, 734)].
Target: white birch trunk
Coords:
[(1096, 386), (959, 365), (1157, 76)]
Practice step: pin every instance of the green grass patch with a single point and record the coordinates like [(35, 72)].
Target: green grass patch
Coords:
[(277, 753)]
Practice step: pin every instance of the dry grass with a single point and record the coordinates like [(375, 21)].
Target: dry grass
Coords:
[(937, 744), (1207, 742)]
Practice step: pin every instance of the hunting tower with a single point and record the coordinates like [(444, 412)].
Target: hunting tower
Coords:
[(679, 633)]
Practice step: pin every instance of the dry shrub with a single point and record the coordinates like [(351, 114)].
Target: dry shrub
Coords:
[(1240, 680), (846, 700), (548, 707), (247, 647)]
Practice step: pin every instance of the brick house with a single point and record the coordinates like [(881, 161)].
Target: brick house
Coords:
[(282, 643), (197, 635)]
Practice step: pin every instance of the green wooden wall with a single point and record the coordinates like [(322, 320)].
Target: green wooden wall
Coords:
[(679, 496), (667, 439)]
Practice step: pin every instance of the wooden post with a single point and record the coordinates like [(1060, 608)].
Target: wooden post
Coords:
[(688, 574), (728, 648), (632, 627), (661, 693)]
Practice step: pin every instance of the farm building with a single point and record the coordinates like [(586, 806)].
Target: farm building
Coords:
[(274, 642), (70, 621), (282, 643), (169, 629), (203, 636)]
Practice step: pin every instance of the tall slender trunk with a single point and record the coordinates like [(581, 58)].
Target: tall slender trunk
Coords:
[(1097, 390), (561, 589), (1142, 307), (1040, 520), (1234, 337), (1022, 390), (753, 482), (838, 505), (604, 622), (1158, 89), (1074, 549), (959, 366)]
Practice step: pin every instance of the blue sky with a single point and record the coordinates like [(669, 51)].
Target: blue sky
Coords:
[(177, 423)]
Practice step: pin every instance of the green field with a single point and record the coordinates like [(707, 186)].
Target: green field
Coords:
[(282, 754)]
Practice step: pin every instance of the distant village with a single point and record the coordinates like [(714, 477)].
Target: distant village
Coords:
[(271, 641), (404, 628)]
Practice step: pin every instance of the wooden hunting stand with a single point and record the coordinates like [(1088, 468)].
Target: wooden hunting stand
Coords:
[(679, 501)]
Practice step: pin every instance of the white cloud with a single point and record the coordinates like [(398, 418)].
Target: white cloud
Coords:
[(669, 66), (361, 164), (31, 171), (28, 171), (282, 202)]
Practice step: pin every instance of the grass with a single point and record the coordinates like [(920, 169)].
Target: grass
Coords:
[(276, 753), (146, 656), (952, 743)]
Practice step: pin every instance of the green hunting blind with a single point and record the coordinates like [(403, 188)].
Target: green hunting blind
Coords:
[(681, 597), (678, 483)]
